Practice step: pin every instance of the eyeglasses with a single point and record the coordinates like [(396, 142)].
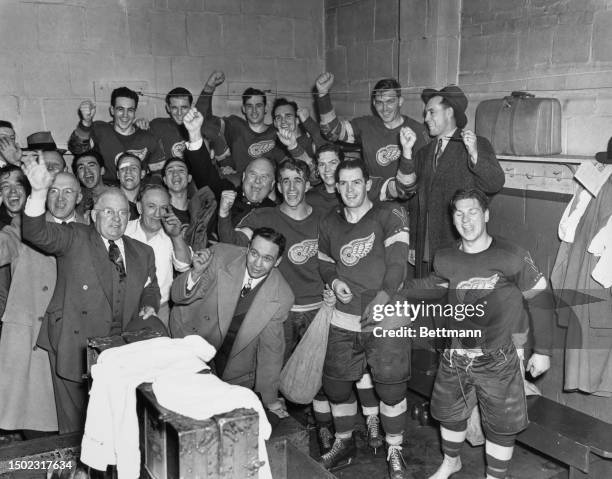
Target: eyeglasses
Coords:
[(266, 258), (108, 213)]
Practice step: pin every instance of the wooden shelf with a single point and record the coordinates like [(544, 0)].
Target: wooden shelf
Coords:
[(557, 159)]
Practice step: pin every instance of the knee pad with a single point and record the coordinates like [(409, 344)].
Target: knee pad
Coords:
[(505, 440), (338, 391), (391, 394)]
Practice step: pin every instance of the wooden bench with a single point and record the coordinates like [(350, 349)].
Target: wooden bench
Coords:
[(569, 436)]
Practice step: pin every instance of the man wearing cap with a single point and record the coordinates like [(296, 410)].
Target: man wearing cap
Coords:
[(106, 283), (41, 144), (457, 159)]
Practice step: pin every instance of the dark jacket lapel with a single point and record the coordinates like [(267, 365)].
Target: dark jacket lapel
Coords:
[(229, 284), (101, 263)]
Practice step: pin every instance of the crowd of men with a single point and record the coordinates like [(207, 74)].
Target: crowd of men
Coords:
[(238, 231)]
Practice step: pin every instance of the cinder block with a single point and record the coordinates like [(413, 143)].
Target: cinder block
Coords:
[(13, 19), (58, 120), (222, 6), (502, 52), (537, 22), (331, 35), (423, 62), (305, 38), (203, 34), (590, 80), (357, 62), (571, 44), (380, 59), (163, 76), (604, 106), (473, 54), (12, 75), (385, 19), (107, 30), (602, 36), (186, 5), (85, 68), (583, 138), (189, 72), (578, 106), (404, 67), (507, 5), (9, 106), (168, 32), (335, 62), (241, 34), (145, 4), (363, 21), (292, 75), (259, 69), (277, 37), (54, 82), (231, 65), (300, 9), (447, 60), (576, 18), (475, 6), (139, 26), (449, 18), (345, 25), (60, 28), (31, 118), (535, 47), (550, 83)]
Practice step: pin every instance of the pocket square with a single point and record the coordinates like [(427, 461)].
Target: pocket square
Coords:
[(148, 282)]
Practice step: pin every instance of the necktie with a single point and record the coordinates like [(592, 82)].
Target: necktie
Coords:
[(246, 289), (114, 254), (437, 154)]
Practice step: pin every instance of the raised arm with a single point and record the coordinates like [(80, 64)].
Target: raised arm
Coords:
[(80, 139), (331, 127)]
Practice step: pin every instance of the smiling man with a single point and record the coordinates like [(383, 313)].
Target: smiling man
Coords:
[(130, 174), (361, 254), (89, 169), (105, 280), (378, 135), (114, 138)]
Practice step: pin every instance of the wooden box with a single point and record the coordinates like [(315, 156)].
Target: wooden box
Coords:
[(177, 447)]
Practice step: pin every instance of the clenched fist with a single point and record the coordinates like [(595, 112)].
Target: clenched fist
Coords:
[(324, 83), (193, 121), (87, 111), (407, 139), (215, 79), (227, 201)]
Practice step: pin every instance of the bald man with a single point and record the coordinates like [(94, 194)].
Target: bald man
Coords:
[(105, 280)]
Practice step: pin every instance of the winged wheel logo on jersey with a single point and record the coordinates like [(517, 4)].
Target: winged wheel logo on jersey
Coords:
[(387, 154), (178, 148), (352, 252), (260, 148), (475, 289), (301, 252)]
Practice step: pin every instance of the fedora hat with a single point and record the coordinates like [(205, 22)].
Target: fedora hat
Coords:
[(605, 156), (42, 140), (453, 95)]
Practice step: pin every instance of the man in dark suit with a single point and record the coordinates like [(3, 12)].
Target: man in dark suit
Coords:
[(104, 281), (238, 300)]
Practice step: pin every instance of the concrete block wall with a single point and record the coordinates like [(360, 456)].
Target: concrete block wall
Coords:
[(416, 41), (559, 48), (54, 50)]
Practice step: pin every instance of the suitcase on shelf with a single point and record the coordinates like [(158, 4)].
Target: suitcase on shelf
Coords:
[(521, 124), (177, 447)]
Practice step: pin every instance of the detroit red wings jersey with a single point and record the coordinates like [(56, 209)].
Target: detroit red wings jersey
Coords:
[(299, 265), (245, 144), (381, 148), (368, 256)]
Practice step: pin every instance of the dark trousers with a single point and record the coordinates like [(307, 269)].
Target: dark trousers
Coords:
[(70, 400)]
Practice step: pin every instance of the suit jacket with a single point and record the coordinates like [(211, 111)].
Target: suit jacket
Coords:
[(81, 304), (256, 357), (436, 189)]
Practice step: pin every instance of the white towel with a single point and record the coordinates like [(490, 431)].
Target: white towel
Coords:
[(572, 214), (111, 426), (601, 245), (201, 396)]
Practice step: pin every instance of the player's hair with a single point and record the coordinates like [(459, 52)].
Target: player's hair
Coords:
[(94, 154), (387, 84), (21, 178), (283, 102), (6, 124), (470, 194), (179, 92), (175, 159), (124, 156), (250, 92), (151, 187), (271, 235), (294, 165), (353, 164), (124, 92), (332, 148)]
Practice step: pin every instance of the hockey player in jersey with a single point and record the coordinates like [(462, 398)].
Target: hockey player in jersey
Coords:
[(492, 276), (378, 135), (362, 254)]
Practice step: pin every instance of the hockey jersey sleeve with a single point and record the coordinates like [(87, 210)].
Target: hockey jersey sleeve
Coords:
[(396, 248), (331, 127), (487, 172), (81, 139)]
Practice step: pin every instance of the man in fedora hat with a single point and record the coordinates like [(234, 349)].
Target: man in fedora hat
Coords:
[(41, 144), (457, 159)]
